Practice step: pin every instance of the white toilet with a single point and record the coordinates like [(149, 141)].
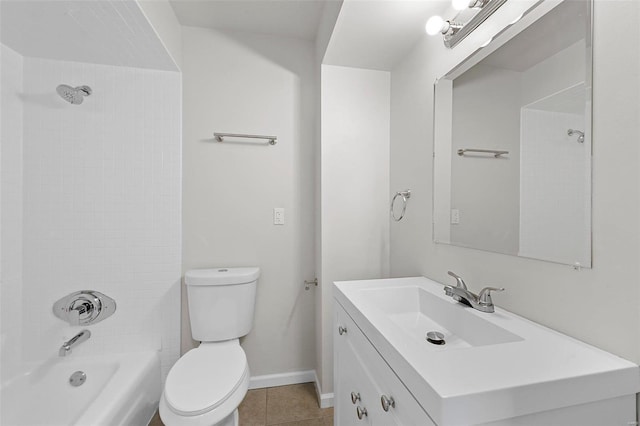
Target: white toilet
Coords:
[(205, 387)]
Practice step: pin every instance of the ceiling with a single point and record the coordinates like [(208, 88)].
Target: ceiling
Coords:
[(376, 34), (99, 32), (372, 34), (286, 18), (554, 32)]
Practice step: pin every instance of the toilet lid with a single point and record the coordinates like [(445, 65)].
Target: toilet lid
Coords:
[(205, 377)]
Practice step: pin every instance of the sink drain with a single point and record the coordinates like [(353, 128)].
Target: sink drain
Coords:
[(77, 378), (435, 337)]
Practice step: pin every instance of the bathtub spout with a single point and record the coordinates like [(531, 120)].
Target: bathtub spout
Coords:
[(66, 347)]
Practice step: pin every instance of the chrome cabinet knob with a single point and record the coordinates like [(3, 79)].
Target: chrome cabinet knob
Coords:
[(387, 402), (342, 330), (355, 397), (361, 412)]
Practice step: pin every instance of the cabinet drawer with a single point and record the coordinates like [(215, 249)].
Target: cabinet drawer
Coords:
[(402, 407)]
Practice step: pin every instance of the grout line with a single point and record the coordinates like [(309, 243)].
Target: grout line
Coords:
[(266, 405)]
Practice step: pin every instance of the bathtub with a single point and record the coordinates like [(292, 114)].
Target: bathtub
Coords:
[(120, 389)]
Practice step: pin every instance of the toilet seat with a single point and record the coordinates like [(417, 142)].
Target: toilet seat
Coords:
[(206, 377)]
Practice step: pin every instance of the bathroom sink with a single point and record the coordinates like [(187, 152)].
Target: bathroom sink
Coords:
[(416, 311), (491, 366)]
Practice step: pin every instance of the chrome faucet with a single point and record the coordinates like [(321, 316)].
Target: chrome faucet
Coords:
[(461, 293), (66, 347)]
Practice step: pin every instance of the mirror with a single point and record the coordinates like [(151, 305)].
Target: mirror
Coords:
[(512, 141)]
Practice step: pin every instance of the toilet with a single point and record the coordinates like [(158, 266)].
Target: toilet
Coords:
[(205, 387)]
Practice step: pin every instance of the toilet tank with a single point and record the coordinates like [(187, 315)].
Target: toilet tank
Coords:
[(221, 302)]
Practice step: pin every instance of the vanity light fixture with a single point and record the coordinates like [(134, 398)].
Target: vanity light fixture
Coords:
[(455, 30)]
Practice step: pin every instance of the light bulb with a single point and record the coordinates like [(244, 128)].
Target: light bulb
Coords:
[(460, 4), (434, 25)]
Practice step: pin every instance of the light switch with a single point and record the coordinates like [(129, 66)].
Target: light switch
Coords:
[(278, 216), (455, 216)]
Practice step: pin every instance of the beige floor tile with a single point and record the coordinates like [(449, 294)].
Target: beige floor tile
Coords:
[(155, 421), (293, 403), (310, 422), (253, 409), (328, 420)]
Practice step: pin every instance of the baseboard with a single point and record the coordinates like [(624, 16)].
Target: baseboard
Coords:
[(282, 379), (325, 400)]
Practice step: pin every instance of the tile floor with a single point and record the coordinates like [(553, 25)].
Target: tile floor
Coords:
[(292, 405)]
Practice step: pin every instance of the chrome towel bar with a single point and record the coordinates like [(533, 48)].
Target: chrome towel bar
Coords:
[(496, 153), (220, 137)]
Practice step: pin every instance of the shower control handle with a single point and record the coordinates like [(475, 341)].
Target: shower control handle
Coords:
[(84, 307)]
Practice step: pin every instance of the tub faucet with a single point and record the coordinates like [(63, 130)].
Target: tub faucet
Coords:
[(66, 347), (461, 293)]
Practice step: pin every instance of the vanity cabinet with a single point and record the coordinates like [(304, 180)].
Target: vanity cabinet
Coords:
[(493, 369), (367, 391)]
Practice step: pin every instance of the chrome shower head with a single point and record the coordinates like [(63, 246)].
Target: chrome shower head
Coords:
[(73, 95)]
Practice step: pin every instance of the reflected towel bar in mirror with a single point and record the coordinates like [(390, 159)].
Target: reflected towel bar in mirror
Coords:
[(496, 153), (220, 137)]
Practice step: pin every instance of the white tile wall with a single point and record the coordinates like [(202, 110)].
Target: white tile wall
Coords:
[(102, 194), (555, 182), (11, 211)]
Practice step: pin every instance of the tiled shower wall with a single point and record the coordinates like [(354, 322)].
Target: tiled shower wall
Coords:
[(10, 211), (101, 206), (554, 188)]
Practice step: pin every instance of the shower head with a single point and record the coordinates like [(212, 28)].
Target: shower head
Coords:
[(73, 95)]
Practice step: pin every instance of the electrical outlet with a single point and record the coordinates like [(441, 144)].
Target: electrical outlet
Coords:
[(278, 216)]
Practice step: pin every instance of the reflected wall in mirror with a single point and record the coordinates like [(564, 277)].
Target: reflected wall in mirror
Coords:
[(528, 93)]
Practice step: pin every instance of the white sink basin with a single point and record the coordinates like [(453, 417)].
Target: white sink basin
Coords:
[(493, 365), (416, 311)]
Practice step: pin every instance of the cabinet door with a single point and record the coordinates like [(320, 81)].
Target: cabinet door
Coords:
[(359, 368), (351, 376)]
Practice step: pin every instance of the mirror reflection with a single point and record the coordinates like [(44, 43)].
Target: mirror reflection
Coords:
[(513, 142)]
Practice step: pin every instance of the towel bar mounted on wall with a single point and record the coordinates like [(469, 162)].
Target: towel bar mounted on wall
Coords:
[(496, 153), (220, 137)]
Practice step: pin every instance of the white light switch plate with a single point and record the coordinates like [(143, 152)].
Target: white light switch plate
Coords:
[(455, 216), (278, 216)]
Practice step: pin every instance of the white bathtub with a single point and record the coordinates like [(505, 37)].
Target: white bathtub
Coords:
[(120, 389)]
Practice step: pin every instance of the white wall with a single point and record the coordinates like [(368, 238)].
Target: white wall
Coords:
[(555, 182), (599, 306), (248, 83), (101, 193), (11, 212), (484, 189), (354, 189), (555, 190)]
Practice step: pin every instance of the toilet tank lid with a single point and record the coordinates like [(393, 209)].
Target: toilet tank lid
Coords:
[(221, 276)]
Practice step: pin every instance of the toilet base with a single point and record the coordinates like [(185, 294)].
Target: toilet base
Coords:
[(232, 419)]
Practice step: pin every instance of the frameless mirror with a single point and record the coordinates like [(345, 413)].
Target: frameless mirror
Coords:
[(512, 141)]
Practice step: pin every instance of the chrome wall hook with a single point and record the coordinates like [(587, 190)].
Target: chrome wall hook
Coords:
[(580, 134), (308, 284)]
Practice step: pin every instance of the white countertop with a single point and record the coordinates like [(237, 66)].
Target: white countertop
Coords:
[(538, 370)]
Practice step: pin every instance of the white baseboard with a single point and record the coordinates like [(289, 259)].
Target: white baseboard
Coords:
[(324, 399), (282, 379)]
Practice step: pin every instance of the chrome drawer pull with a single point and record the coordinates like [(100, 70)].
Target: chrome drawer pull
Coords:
[(361, 412), (342, 330), (387, 401), (355, 397)]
